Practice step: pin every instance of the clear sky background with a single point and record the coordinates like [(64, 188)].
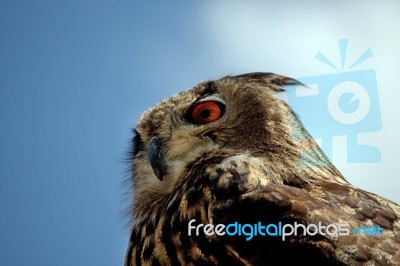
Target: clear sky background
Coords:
[(75, 76)]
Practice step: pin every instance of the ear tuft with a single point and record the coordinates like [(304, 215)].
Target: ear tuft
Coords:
[(271, 80)]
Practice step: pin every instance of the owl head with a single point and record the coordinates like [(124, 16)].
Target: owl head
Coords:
[(232, 116)]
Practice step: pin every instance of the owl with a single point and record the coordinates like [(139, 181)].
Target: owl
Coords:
[(224, 172)]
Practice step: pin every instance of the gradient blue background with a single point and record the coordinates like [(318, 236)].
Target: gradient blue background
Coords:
[(75, 76)]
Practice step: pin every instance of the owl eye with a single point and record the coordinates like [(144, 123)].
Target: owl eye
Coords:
[(206, 112)]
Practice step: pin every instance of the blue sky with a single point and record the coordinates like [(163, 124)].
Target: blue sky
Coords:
[(75, 76)]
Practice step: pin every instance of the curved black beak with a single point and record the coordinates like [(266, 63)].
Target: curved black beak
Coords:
[(155, 158)]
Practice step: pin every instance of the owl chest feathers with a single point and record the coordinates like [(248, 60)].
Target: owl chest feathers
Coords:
[(160, 234)]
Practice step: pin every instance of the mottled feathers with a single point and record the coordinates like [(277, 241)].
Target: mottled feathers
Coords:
[(229, 151)]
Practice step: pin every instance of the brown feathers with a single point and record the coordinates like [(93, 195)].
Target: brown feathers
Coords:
[(249, 161)]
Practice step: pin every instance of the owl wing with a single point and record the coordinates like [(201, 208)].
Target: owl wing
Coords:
[(321, 203)]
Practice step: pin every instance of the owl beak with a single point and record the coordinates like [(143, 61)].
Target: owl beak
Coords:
[(156, 158)]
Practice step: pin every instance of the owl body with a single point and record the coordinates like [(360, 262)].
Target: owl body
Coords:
[(228, 151)]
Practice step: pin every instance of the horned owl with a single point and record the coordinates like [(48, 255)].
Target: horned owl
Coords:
[(230, 151)]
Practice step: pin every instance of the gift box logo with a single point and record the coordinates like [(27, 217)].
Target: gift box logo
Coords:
[(342, 103)]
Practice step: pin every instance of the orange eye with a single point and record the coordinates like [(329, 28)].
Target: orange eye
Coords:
[(206, 112)]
